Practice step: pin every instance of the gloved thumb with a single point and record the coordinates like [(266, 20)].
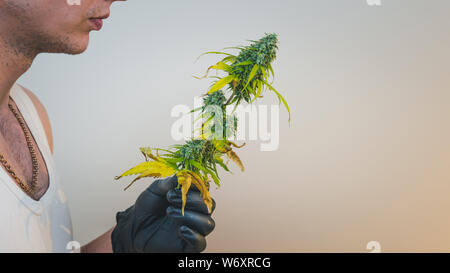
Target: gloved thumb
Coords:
[(162, 186), (153, 200)]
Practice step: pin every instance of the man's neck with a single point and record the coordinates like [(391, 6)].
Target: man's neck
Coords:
[(13, 63)]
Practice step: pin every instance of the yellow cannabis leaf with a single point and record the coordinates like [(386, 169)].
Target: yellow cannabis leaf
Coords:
[(147, 152), (221, 83), (222, 146), (235, 145), (219, 66), (135, 170), (233, 156), (157, 169), (185, 179)]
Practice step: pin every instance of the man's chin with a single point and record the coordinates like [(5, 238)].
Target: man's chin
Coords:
[(76, 49), (71, 48)]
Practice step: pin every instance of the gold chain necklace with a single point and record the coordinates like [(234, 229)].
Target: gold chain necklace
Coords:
[(32, 188)]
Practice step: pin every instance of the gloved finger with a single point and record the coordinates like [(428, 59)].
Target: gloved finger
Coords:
[(199, 222), (195, 242), (194, 201), (161, 186)]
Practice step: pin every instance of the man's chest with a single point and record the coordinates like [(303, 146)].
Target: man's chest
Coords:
[(15, 149)]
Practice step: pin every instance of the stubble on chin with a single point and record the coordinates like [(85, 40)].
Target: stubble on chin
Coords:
[(29, 38)]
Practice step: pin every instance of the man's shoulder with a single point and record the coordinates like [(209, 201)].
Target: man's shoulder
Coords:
[(43, 115)]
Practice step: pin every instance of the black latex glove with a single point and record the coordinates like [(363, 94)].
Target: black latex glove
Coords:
[(155, 223)]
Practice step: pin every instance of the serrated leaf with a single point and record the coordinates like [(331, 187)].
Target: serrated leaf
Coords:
[(215, 52), (201, 186), (185, 181), (219, 66), (135, 170), (253, 73), (251, 76), (221, 83), (157, 169), (229, 59), (200, 167), (263, 71), (242, 63), (147, 152), (271, 71), (258, 92), (235, 47), (222, 164), (280, 97)]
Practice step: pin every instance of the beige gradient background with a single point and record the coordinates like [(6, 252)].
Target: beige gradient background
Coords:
[(367, 157)]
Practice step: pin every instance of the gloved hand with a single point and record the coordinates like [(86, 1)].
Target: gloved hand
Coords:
[(155, 223)]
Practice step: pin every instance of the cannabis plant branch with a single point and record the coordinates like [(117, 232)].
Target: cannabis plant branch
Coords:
[(196, 162)]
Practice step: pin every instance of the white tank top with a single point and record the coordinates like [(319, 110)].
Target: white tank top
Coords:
[(27, 225)]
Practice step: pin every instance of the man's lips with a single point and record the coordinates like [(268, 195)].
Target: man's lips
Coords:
[(97, 22)]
